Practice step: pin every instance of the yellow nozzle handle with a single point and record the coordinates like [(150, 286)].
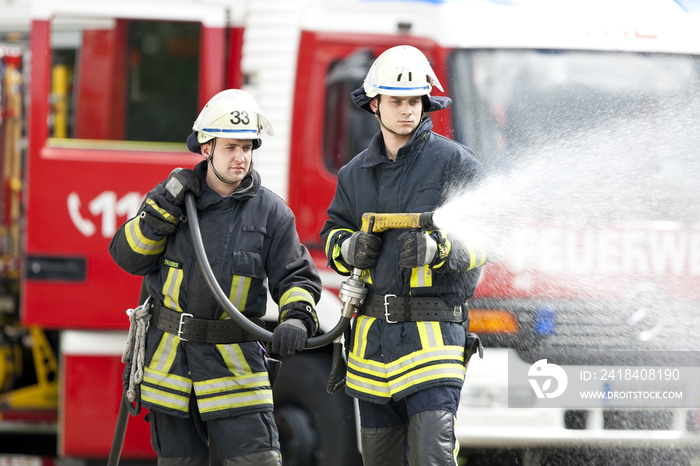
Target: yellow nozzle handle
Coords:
[(373, 222)]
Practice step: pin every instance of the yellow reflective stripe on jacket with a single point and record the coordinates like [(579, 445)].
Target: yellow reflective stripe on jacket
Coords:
[(476, 258), (385, 380), (237, 400), (339, 265), (166, 215), (362, 326), (426, 365), (434, 361), (164, 356), (139, 243), (171, 289), (296, 294), (234, 358), (240, 286), (366, 277), (241, 390), (176, 397), (157, 378), (367, 376), (363, 374), (430, 334), (445, 253), (365, 384), (234, 383), (334, 252), (421, 277)]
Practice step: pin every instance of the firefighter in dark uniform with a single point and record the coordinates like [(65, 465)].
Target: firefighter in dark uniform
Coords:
[(204, 381), (405, 370)]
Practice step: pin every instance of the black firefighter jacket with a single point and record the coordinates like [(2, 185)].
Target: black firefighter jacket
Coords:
[(394, 360), (251, 242)]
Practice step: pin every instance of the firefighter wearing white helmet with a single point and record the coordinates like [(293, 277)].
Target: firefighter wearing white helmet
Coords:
[(401, 71), (205, 378), (410, 343), (230, 114)]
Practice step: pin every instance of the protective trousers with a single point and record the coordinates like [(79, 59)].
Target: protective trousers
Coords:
[(245, 440), (417, 430)]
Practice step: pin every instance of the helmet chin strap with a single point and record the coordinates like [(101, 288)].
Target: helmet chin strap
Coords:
[(381, 123), (211, 164)]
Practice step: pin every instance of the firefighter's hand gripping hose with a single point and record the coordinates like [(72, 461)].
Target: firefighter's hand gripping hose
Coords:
[(222, 299), (353, 290)]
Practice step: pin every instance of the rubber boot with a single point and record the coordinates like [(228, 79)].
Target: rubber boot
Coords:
[(259, 458), (431, 439), (383, 446)]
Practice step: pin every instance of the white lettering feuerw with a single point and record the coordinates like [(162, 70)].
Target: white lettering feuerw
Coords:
[(640, 250)]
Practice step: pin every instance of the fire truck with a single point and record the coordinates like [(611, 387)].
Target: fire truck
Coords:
[(98, 98)]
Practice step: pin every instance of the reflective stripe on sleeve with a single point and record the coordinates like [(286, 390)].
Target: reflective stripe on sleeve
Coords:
[(332, 248), (296, 294), (139, 243)]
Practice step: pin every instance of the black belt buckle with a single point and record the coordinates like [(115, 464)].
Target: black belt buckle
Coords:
[(180, 326), (386, 308)]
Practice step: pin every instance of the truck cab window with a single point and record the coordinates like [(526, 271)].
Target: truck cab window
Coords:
[(123, 80), (348, 129)]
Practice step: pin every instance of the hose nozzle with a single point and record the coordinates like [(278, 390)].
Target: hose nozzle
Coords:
[(376, 223)]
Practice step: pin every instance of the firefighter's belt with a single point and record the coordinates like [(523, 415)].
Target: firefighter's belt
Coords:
[(187, 328), (411, 309)]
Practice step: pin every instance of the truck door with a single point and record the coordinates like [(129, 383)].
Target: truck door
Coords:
[(113, 98), (113, 101)]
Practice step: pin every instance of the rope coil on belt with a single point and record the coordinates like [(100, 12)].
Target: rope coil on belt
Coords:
[(135, 350)]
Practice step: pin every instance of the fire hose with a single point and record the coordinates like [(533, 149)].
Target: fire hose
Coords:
[(222, 299), (352, 291), (352, 294)]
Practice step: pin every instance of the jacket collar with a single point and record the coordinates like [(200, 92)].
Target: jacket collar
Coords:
[(376, 154), (249, 187)]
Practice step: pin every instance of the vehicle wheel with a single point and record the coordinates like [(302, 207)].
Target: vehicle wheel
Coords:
[(316, 428)]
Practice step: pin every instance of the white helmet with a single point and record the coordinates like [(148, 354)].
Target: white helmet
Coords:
[(400, 71), (232, 114)]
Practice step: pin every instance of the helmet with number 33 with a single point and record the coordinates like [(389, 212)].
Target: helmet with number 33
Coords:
[(232, 114)]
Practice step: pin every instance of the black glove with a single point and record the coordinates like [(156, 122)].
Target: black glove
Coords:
[(289, 337), (417, 249), (361, 249), (163, 207), (179, 182)]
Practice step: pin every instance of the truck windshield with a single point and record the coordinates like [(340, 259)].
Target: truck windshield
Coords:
[(615, 119), (123, 80)]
